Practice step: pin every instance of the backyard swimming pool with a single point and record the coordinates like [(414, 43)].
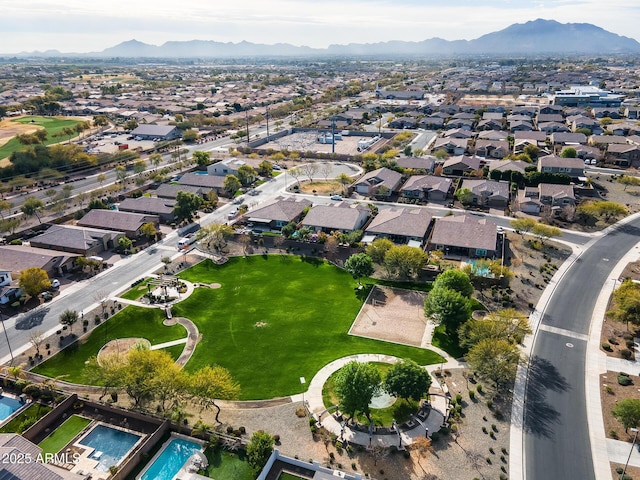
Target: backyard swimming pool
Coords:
[(8, 405), (170, 459), (110, 445)]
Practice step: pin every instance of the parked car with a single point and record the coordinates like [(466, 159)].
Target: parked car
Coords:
[(336, 197), (55, 284), (46, 296)]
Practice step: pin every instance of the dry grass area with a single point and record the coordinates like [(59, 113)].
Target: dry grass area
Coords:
[(615, 192), (392, 315), (323, 188)]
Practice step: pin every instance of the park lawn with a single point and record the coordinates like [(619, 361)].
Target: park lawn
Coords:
[(174, 351), (132, 321), (136, 292), (62, 435), (53, 125), (277, 318), (225, 465), (26, 418)]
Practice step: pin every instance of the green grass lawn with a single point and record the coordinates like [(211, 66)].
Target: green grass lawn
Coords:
[(53, 125), (26, 418), (62, 435), (136, 292), (132, 321), (225, 465), (401, 409), (276, 319)]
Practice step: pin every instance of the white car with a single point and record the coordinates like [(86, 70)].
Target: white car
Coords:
[(336, 197)]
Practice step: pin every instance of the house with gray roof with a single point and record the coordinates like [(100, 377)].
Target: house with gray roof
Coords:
[(460, 165), (15, 446), (509, 165), (400, 225), (342, 217), (127, 222), (74, 239), (556, 196), (16, 258), (161, 207), (417, 163), (279, 213), (487, 193), (574, 167), (380, 182), (151, 132), (206, 182), (426, 187), (565, 138), (492, 148), (464, 235), (170, 190)]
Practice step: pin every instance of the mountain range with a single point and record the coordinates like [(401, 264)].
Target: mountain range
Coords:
[(537, 37)]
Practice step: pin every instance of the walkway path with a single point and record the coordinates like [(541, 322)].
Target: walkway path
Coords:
[(191, 341)]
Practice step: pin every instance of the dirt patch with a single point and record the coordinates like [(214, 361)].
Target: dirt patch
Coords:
[(611, 393), (214, 285), (618, 338), (9, 129), (392, 315), (632, 271), (120, 346), (329, 188)]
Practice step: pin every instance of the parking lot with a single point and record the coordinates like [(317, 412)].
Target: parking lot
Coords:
[(108, 142)]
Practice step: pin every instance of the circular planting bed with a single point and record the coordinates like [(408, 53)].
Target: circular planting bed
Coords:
[(121, 346)]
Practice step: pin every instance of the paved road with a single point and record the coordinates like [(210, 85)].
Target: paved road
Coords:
[(556, 439)]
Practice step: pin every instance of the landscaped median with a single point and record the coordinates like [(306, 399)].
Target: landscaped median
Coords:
[(273, 320)]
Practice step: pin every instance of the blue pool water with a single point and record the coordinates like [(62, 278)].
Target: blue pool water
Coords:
[(8, 405), (114, 445), (480, 271), (171, 460)]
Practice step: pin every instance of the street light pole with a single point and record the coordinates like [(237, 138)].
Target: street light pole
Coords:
[(303, 381), (630, 452), (7, 337)]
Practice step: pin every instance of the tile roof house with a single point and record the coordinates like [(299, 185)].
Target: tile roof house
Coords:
[(426, 187), (15, 446), (509, 165), (460, 165), (623, 155), (487, 192), (16, 258), (277, 214), (127, 222), (379, 182), (550, 127), (417, 163), (342, 217), (528, 200), (574, 167), (492, 148), (453, 146), (206, 182), (161, 207), (564, 138), (80, 240), (230, 166), (464, 235), (401, 225), (170, 190), (556, 195)]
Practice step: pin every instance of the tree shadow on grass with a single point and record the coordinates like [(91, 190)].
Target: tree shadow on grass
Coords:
[(540, 417)]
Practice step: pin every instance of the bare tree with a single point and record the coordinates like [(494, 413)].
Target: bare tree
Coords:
[(325, 169), (245, 241), (296, 173), (36, 338), (309, 169)]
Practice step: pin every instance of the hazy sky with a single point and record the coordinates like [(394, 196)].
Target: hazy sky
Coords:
[(92, 25)]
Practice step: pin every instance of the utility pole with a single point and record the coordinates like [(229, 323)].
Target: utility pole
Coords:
[(267, 124), (246, 120), (7, 337)]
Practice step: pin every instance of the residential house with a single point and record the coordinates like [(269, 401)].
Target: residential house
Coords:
[(632, 112), (538, 137), (488, 193), (170, 190), (623, 155), (605, 140), (161, 207), (493, 135), (556, 196), (453, 146), (491, 124), (381, 182), (587, 152), (431, 123), (400, 225), (520, 126), (15, 258), (278, 213), (565, 138), (549, 117), (418, 164), (14, 446), (464, 235), (458, 133), (10, 291), (426, 187), (602, 112), (528, 200), (550, 127), (574, 167), (459, 123), (509, 165), (492, 148), (403, 123), (584, 122), (128, 223), (342, 217), (460, 165), (230, 166), (80, 240), (204, 182)]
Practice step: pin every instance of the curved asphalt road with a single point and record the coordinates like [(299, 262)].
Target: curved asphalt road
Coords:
[(556, 433)]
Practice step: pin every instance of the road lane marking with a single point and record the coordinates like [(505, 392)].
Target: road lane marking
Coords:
[(566, 333)]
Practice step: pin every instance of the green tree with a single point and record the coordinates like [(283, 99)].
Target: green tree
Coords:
[(214, 236), (508, 324), (378, 249), (4, 205), (627, 412), (628, 181), (231, 184), (440, 154), (155, 159), (32, 206), (149, 230), (359, 265), (187, 204), (265, 168), (68, 318), (246, 175), (139, 166), (124, 244), (606, 210), (545, 232), (210, 383), (523, 225), (344, 180), (447, 307), (626, 305), (9, 225), (202, 158), (569, 152), (355, 385), (259, 450), (454, 279), (404, 261), (406, 379), (33, 280), (100, 121), (464, 196), (495, 360), (121, 173), (101, 178)]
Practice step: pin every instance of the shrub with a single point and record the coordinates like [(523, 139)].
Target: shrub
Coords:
[(629, 343), (624, 380), (472, 395), (488, 460), (491, 451), (489, 404), (242, 430), (458, 399), (608, 389), (229, 429), (479, 389), (607, 347), (435, 436), (484, 430), (494, 427), (613, 434), (625, 353), (619, 470)]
